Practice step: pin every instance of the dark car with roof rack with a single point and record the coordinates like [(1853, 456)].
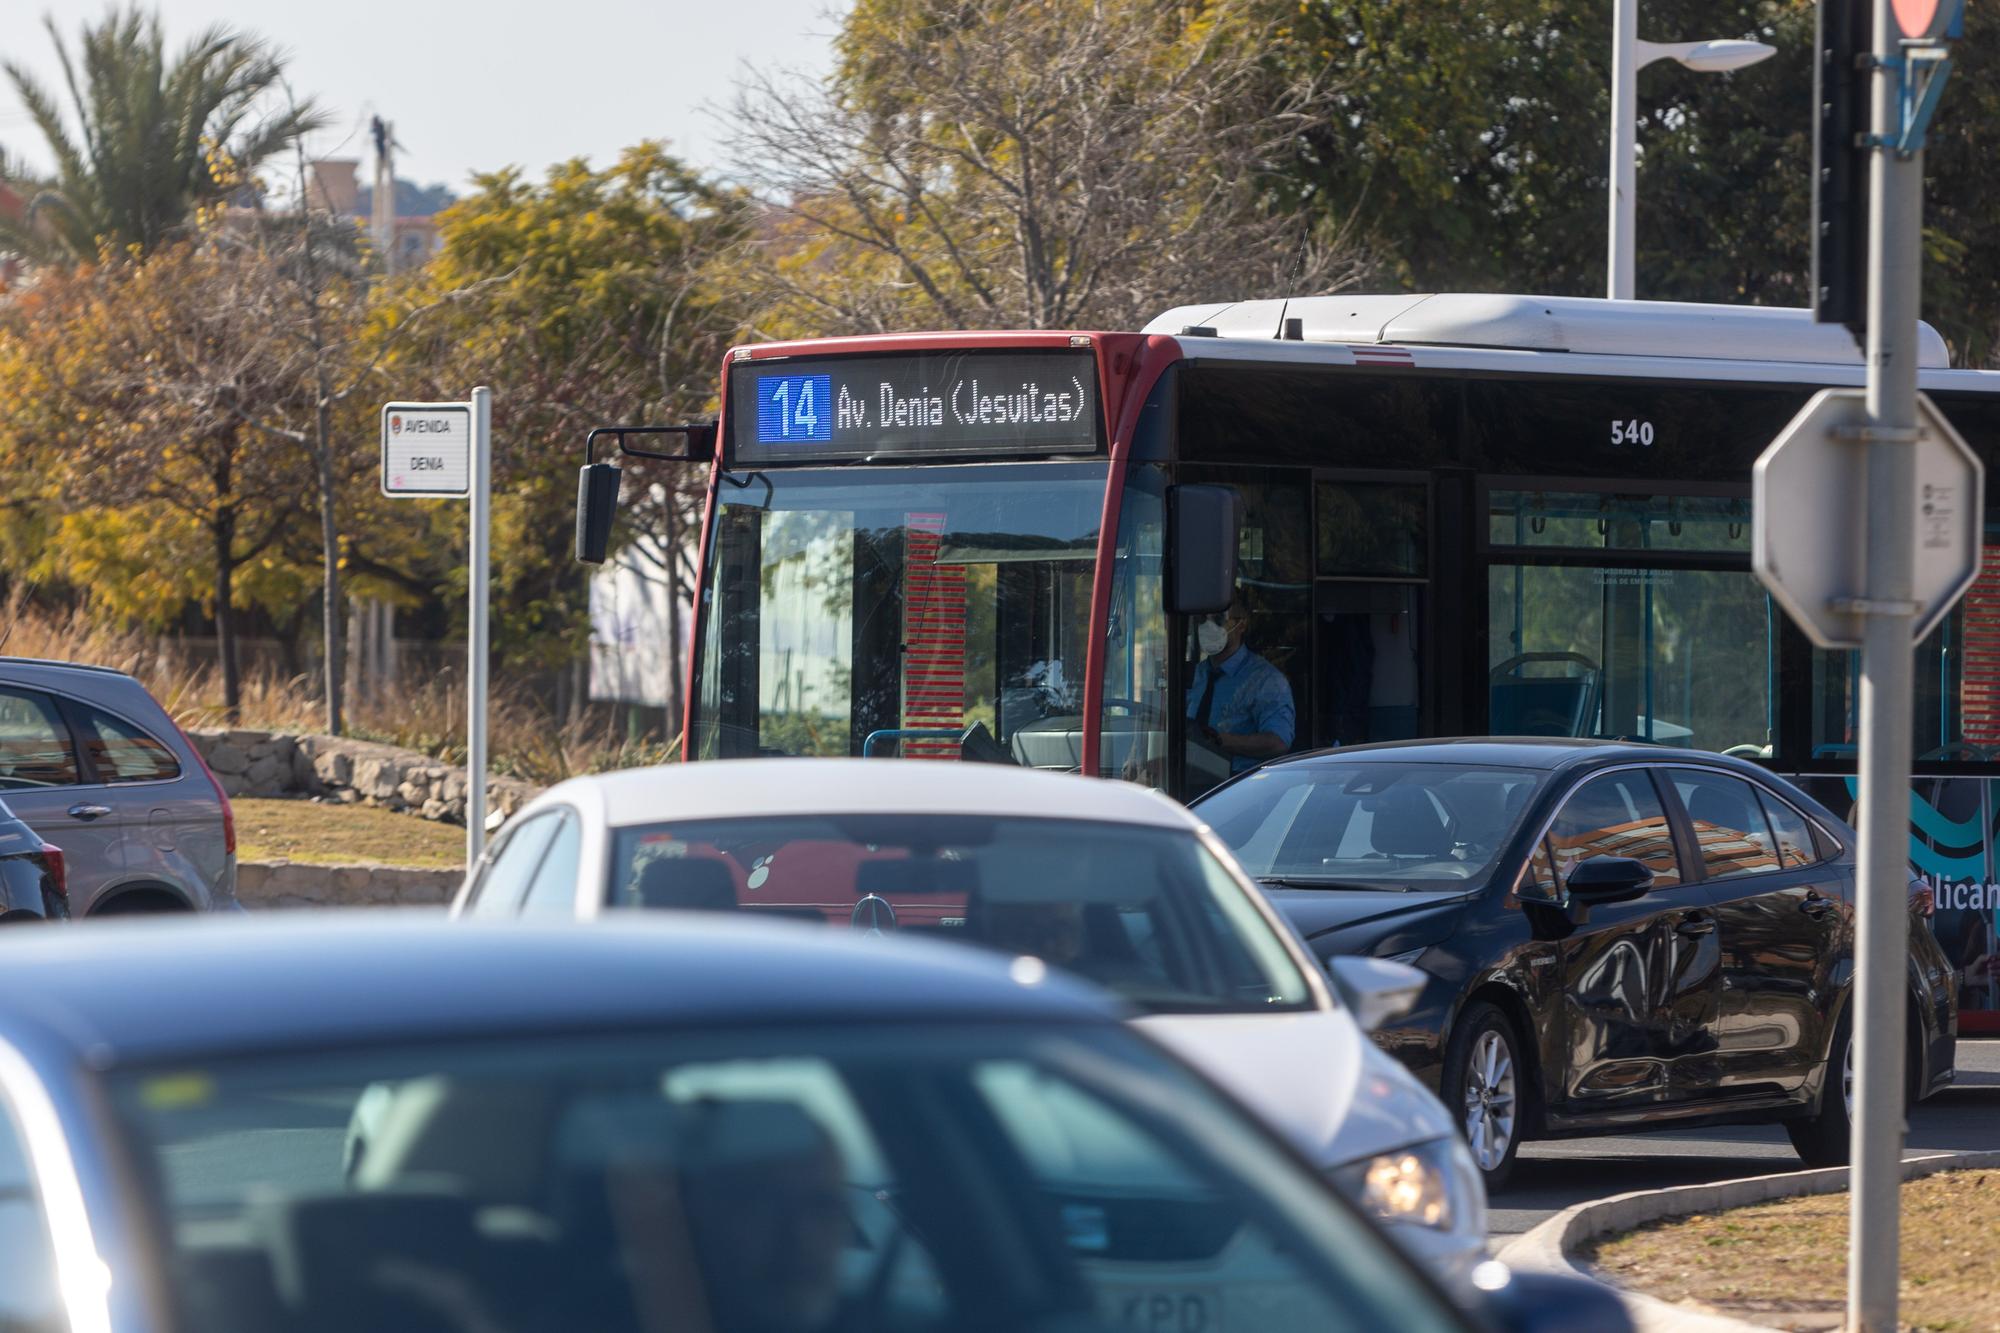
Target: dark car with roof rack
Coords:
[(1618, 935)]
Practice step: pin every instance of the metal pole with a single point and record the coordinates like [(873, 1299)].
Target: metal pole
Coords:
[(476, 648), (1624, 147), (1887, 672)]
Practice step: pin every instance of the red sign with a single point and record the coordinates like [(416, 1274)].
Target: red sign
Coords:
[(1916, 17)]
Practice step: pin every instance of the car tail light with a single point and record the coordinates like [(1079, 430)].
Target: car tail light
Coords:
[(52, 856), (228, 810)]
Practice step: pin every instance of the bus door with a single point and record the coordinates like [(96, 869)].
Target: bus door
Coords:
[(1370, 603)]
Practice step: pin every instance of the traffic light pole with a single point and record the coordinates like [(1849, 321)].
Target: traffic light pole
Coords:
[(1887, 671)]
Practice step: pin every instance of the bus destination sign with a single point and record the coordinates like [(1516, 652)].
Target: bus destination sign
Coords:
[(916, 405)]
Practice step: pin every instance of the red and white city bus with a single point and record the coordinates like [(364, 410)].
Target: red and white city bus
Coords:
[(1459, 515)]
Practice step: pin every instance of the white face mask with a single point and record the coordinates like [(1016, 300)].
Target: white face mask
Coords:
[(1212, 638)]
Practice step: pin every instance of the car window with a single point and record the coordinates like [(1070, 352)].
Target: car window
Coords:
[(553, 890), (1615, 814), (1538, 878), (1147, 912), (506, 877), (1360, 823), (28, 1294), (1728, 822), (1153, 1247), (35, 749), (121, 751), (813, 1178), (1794, 831)]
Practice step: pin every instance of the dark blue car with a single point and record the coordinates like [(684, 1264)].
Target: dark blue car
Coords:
[(695, 1125), (1617, 935)]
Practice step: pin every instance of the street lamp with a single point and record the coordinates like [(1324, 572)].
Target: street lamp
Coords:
[(1629, 55)]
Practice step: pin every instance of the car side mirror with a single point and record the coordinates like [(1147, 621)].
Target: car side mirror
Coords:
[(1609, 879), (1377, 990), (1204, 525)]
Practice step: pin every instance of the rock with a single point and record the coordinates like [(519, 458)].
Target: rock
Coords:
[(433, 809), (226, 759), (334, 767), (233, 784), (268, 773)]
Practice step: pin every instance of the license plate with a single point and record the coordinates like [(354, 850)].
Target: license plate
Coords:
[(1169, 1311)]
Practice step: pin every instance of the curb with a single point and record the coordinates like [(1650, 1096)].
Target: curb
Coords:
[(1551, 1246)]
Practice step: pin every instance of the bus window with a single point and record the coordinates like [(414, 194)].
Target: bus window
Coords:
[(1957, 707), (1246, 670), (1586, 521), (1369, 628), (1632, 653), (1136, 702), (922, 612)]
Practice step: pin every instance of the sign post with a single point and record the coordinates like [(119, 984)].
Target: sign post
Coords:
[(445, 451), (1906, 495)]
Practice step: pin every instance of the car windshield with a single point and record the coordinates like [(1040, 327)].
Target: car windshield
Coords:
[(741, 1181), (1371, 824), (1147, 912), (893, 610)]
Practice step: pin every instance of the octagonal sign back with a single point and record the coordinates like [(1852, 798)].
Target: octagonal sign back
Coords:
[(1809, 529)]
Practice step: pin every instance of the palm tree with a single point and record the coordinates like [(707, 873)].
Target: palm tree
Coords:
[(155, 139)]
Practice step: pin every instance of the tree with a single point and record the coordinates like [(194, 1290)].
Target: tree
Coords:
[(1031, 163), (148, 133), (131, 386), (583, 300)]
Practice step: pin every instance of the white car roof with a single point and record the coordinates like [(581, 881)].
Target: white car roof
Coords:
[(725, 788)]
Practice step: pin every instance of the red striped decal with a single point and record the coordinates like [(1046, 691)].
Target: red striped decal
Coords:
[(933, 639), (1979, 683)]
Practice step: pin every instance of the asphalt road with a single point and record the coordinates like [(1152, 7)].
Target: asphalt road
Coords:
[(1553, 1176)]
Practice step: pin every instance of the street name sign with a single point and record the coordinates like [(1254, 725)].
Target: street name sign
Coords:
[(1809, 510), (427, 450)]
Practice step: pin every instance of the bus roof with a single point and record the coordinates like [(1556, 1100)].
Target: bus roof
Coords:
[(1545, 324)]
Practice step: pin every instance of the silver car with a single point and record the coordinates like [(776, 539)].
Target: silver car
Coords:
[(91, 762)]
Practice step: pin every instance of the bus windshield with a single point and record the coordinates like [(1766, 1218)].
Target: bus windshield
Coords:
[(927, 612)]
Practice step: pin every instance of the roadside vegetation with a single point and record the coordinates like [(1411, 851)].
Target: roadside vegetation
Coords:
[(1784, 1264)]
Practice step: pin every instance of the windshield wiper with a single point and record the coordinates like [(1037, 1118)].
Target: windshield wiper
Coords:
[(1311, 882)]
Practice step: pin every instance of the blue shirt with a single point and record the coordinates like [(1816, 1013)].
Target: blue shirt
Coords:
[(1251, 696)]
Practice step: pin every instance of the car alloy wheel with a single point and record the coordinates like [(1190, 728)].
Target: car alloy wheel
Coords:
[(1489, 1099), (1847, 1080)]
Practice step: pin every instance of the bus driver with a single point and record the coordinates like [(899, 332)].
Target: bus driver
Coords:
[(1238, 703)]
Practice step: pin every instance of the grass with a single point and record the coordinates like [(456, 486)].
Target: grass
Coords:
[(1784, 1264), (423, 712), (327, 833)]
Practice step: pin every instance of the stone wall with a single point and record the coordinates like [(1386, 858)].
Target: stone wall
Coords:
[(262, 884), (262, 763)]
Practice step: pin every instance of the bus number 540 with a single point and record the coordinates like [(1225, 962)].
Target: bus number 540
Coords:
[(1634, 431)]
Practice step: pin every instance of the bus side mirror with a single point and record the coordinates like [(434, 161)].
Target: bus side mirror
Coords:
[(596, 506), (1203, 523)]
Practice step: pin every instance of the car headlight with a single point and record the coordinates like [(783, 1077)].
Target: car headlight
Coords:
[(1422, 1185)]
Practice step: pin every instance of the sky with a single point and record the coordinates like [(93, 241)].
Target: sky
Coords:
[(473, 85)]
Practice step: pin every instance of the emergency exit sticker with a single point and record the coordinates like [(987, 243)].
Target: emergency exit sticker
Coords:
[(427, 449)]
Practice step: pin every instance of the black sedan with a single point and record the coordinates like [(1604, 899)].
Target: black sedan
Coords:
[(698, 1125), (1618, 936)]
